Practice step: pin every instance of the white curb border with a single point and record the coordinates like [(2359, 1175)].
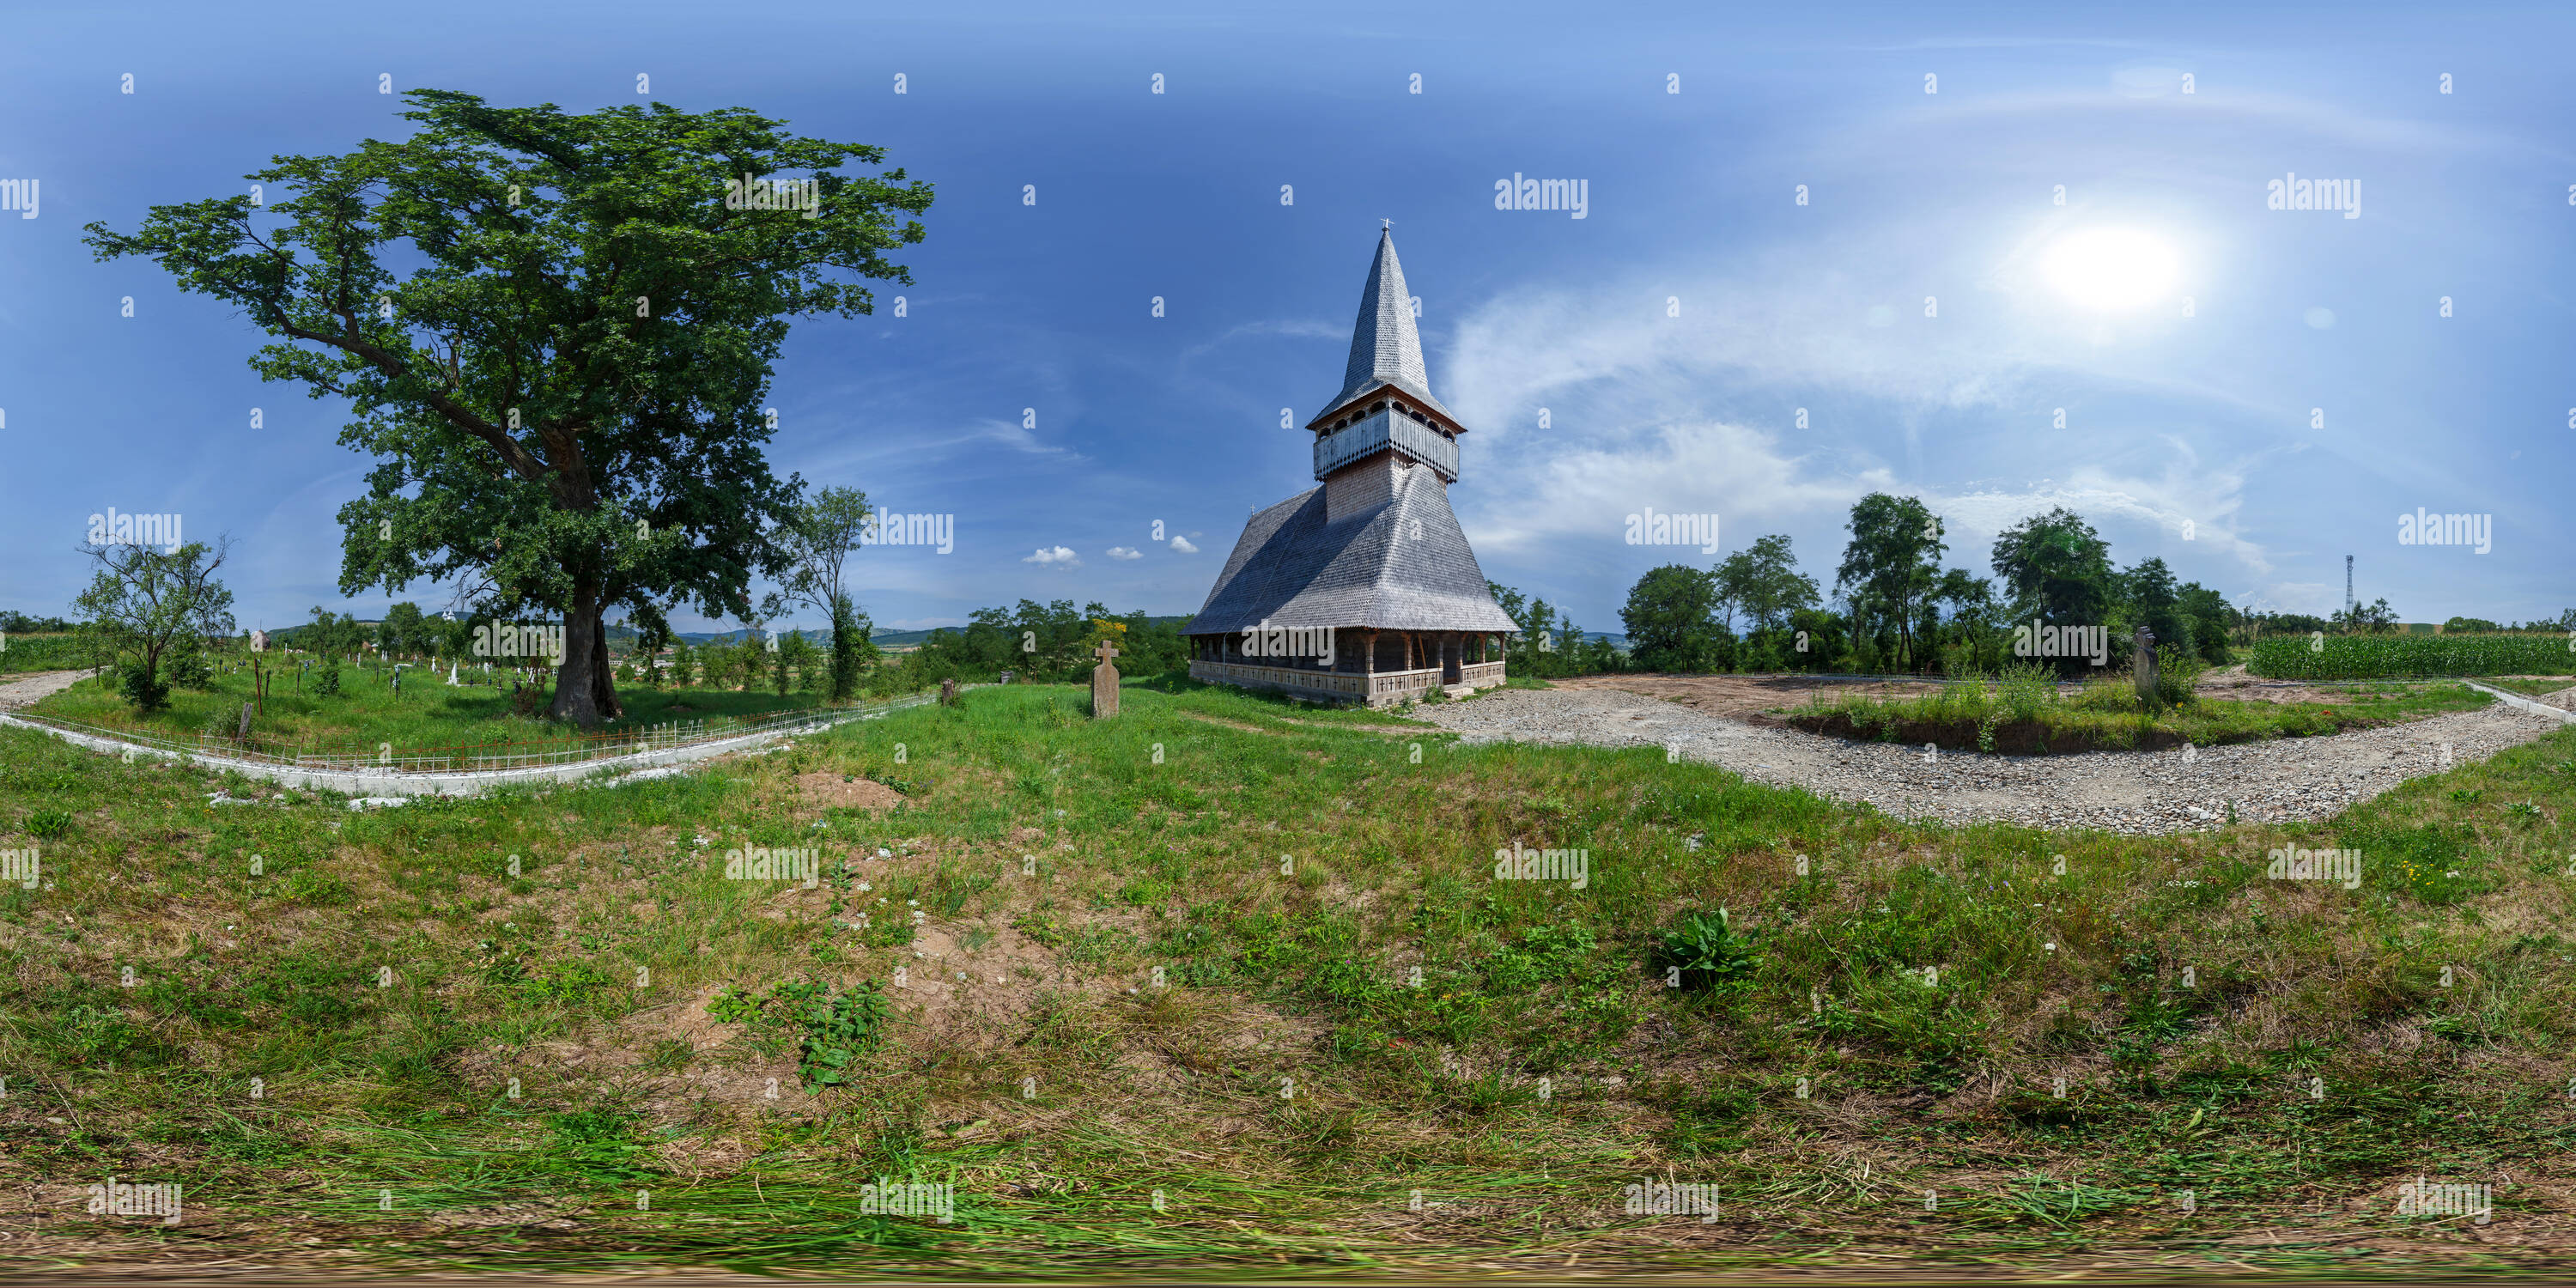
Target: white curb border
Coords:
[(391, 782), (2517, 700)]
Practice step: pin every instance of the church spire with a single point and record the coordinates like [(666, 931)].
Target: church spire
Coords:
[(1386, 348)]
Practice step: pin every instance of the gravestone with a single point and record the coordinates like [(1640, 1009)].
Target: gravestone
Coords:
[(1006, 677), (1104, 683), (948, 692), (243, 734), (2143, 665)]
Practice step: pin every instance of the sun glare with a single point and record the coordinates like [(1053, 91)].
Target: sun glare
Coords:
[(2111, 268)]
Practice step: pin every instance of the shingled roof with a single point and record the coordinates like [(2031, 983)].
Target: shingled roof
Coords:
[(1386, 349), (1402, 566)]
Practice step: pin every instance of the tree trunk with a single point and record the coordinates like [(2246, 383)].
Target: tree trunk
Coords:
[(585, 688)]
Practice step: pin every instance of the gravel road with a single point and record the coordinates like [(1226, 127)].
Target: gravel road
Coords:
[(2137, 792), (19, 690)]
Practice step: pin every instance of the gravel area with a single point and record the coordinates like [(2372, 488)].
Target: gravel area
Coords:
[(20, 689), (2186, 789)]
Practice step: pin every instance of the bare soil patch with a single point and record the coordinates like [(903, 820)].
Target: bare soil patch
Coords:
[(827, 789)]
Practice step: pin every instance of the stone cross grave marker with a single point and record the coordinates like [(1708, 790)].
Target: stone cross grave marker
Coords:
[(2144, 665), (1104, 682)]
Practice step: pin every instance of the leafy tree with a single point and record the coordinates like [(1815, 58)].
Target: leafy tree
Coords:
[(402, 630), (2156, 603), (1894, 558), (2210, 616), (555, 338), (798, 653), (2374, 618), (1764, 581), (819, 540), (2057, 569), (1671, 619), (143, 602)]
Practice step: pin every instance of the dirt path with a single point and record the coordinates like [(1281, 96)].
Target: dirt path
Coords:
[(2138, 792), (19, 690)]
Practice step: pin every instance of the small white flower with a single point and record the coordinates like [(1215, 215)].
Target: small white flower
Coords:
[(884, 853), (864, 887)]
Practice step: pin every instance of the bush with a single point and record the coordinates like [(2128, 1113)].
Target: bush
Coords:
[(144, 689), (326, 680), (1708, 952), (2177, 675), (187, 666)]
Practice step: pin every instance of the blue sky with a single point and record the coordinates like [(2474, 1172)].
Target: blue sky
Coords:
[(2313, 395)]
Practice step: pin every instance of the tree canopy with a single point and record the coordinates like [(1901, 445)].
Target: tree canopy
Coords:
[(555, 334)]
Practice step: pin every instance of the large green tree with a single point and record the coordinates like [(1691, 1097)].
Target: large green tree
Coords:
[(1893, 561), (1671, 620), (556, 335), (2057, 569), (1763, 580)]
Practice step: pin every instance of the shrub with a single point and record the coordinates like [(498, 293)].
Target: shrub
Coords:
[(2177, 672), (144, 689), (1708, 952)]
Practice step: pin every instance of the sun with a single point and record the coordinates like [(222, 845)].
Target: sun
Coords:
[(2111, 268)]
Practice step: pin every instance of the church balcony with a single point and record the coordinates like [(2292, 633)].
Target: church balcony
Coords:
[(1385, 430), (1376, 689)]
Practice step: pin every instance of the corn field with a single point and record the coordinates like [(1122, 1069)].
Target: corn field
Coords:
[(2399, 657)]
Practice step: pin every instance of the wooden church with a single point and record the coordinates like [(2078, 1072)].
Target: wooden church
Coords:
[(1362, 589)]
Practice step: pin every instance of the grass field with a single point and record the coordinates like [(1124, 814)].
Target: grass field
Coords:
[(2387, 657), (40, 653), (2027, 714), (2533, 688), (1254, 960), (367, 712)]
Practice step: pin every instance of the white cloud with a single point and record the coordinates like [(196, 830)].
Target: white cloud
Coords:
[(1182, 545), (1056, 557), (1123, 552)]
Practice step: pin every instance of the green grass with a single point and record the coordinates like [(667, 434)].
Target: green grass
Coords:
[(2376, 657), (2532, 688), (2025, 713), (1539, 1065), (41, 653), (366, 712)]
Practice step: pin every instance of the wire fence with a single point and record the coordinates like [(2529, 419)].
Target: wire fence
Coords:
[(387, 758)]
